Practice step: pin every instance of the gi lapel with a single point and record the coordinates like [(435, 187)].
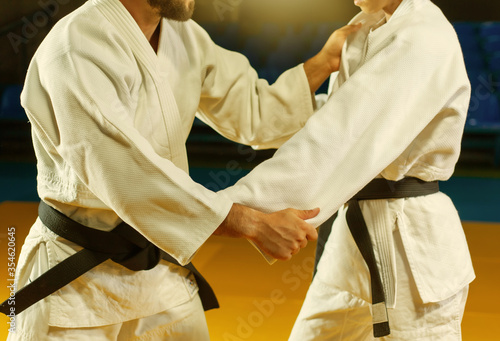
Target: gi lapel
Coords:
[(118, 15)]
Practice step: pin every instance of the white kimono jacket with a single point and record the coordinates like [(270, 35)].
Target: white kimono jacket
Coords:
[(397, 110), (110, 119)]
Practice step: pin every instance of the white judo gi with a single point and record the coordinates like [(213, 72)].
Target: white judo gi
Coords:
[(110, 119), (397, 109)]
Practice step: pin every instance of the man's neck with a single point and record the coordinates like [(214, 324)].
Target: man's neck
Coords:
[(146, 17), (390, 9)]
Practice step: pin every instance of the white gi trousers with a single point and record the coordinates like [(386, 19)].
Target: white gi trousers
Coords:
[(340, 308), (182, 323), (185, 322)]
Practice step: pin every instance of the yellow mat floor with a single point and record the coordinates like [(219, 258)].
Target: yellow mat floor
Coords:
[(260, 302)]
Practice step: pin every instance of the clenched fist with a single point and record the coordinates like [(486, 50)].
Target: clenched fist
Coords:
[(280, 234)]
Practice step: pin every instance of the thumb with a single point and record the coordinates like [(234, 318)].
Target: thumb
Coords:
[(308, 214)]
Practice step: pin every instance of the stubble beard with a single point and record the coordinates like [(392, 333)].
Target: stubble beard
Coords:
[(177, 10)]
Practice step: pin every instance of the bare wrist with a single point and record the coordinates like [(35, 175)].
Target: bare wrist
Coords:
[(241, 222), (318, 68)]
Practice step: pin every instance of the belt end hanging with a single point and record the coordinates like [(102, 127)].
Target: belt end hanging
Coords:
[(381, 329), (380, 320)]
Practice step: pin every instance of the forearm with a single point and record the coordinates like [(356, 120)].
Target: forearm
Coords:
[(239, 223), (318, 69), (249, 111)]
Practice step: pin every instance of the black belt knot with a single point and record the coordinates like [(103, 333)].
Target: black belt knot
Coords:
[(124, 245)]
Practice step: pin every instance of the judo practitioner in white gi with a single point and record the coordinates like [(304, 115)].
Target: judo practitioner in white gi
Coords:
[(111, 94), (396, 111)]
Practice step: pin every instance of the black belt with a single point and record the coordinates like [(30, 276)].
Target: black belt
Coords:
[(124, 245), (376, 189)]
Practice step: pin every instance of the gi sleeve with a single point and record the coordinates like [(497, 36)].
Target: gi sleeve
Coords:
[(365, 125), (81, 111), (246, 109)]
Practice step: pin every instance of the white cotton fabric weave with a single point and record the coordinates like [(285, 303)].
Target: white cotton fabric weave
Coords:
[(337, 306), (110, 118), (397, 109)]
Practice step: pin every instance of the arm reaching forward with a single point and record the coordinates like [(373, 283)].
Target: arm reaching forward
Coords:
[(406, 102)]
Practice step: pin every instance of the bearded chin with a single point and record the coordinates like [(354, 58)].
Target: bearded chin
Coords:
[(173, 9)]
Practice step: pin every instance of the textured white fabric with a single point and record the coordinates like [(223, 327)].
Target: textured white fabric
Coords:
[(110, 119), (397, 109), (185, 322), (339, 309)]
